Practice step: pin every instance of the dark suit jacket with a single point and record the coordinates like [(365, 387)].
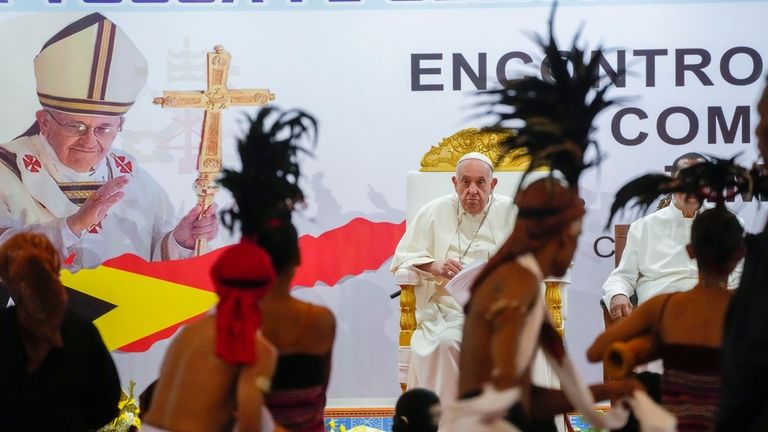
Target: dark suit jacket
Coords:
[(4, 295), (744, 403)]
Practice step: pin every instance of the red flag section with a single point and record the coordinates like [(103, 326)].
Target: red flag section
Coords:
[(349, 250), (360, 245)]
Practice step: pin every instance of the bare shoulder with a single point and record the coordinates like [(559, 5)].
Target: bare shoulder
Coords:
[(192, 333), (324, 315), (652, 307), (325, 321), (204, 324)]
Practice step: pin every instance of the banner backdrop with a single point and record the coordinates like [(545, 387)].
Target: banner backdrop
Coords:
[(387, 80)]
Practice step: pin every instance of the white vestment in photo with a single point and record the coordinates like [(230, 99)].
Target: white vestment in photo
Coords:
[(34, 197)]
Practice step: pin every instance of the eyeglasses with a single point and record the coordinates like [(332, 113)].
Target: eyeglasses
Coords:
[(78, 129)]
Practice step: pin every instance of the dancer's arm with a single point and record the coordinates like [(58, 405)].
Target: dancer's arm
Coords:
[(251, 386), (508, 311), (641, 322), (546, 402)]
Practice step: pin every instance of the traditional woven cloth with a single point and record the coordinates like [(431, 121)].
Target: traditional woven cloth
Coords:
[(691, 394)]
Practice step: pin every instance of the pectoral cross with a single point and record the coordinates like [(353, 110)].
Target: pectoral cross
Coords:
[(218, 97)]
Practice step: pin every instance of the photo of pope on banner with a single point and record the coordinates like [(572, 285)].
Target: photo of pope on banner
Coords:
[(62, 178)]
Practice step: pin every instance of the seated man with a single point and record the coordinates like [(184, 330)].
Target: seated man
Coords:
[(655, 260), (447, 234)]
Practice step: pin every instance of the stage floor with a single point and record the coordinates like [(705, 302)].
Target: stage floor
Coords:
[(380, 419)]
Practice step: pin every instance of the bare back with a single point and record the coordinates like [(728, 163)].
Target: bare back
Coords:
[(297, 327), (496, 345), (198, 391), (695, 317)]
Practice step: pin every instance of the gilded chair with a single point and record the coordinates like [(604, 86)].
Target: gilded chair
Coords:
[(433, 179)]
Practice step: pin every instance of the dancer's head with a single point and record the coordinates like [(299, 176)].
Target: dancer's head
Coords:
[(29, 266), (417, 410), (548, 220), (266, 190), (549, 216), (717, 241)]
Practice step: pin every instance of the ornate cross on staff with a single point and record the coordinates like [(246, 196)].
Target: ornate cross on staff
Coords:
[(217, 98)]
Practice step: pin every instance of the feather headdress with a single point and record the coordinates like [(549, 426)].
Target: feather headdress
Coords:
[(266, 189), (713, 179), (557, 113)]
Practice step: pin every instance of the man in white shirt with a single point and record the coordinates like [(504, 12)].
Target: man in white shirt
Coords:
[(447, 234), (655, 260), (62, 178)]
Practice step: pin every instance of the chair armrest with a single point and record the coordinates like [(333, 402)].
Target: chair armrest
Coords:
[(407, 280)]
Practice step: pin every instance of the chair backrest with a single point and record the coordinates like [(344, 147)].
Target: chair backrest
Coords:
[(620, 241), (438, 165)]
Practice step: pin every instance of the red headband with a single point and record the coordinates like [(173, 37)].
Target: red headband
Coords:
[(243, 274)]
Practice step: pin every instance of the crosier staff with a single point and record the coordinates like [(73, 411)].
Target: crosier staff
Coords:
[(216, 98)]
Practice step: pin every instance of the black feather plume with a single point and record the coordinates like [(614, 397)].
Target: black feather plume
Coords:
[(558, 113), (267, 186), (759, 175), (714, 179)]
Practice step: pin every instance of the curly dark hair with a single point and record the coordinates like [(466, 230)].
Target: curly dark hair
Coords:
[(412, 411)]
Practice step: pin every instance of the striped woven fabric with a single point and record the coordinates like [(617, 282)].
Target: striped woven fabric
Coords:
[(78, 192), (693, 396), (298, 410)]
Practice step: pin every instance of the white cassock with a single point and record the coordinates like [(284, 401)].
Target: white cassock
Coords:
[(655, 261), (38, 193), (443, 230)]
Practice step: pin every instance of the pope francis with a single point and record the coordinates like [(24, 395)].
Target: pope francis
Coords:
[(447, 234)]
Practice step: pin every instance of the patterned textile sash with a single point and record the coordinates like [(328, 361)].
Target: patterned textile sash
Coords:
[(298, 410), (8, 159), (693, 398), (78, 192)]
